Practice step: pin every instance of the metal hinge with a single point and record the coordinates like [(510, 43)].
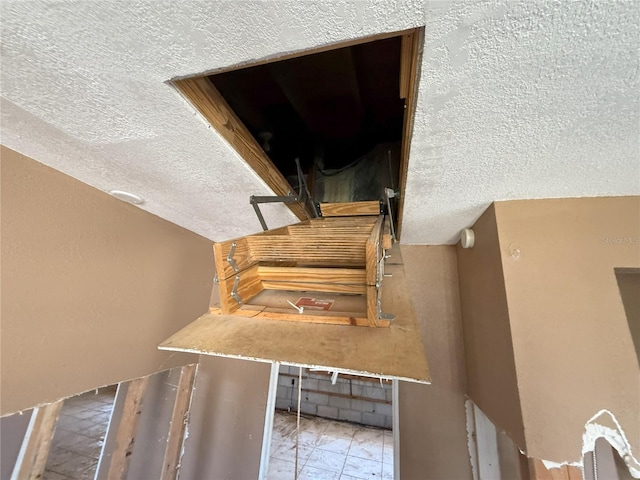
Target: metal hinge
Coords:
[(384, 316), (230, 259), (304, 197), (389, 193), (234, 290)]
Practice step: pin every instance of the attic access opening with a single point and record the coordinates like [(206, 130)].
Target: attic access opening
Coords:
[(345, 111)]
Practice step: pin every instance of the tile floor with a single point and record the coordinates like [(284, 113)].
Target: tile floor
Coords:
[(329, 450), (79, 434)]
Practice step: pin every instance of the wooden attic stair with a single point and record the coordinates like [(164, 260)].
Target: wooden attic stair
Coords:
[(336, 264), (338, 258)]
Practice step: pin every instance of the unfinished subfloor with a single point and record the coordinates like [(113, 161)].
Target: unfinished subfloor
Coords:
[(329, 450), (78, 438)]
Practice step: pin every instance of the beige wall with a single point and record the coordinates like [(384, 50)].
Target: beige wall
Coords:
[(433, 436), (629, 285), (487, 336), (226, 420), (573, 350), (544, 319), (90, 286)]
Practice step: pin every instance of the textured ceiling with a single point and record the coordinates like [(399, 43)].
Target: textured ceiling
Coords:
[(526, 99)]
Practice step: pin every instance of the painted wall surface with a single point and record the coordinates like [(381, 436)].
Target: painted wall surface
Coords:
[(90, 286), (432, 423), (573, 350), (226, 421), (629, 285), (491, 370)]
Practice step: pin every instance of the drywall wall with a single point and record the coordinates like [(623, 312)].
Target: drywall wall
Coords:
[(226, 420), (432, 422), (629, 285), (517, 99), (604, 462), (12, 431), (152, 431), (489, 356), (573, 350), (513, 464), (90, 286)]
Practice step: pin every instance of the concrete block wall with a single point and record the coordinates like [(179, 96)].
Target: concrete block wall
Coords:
[(353, 400)]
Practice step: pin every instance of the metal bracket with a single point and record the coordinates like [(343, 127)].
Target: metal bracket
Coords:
[(256, 200), (234, 290), (380, 272), (215, 279), (302, 196), (389, 193), (384, 316), (379, 276), (230, 259)]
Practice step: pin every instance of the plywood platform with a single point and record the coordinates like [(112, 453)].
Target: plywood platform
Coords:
[(394, 352)]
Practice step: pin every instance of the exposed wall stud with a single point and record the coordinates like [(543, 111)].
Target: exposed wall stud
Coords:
[(177, 428), (125, 439), (33, 455)]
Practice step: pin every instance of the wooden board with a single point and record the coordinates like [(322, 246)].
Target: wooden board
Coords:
[(406, 59), (317, 249), (343, 221), (213, 107), (314, 287), (308, 230), (372, 306), (373, 251), (343, 276), (336, 280), (127, 429), (178, 425), (538, 471), (387, 240), (241, 256), (35, 448), (249, 285), (241, 253), (273, 305), (278, 299), (411, 97), (345, 209), (394, 352), (285, 315)]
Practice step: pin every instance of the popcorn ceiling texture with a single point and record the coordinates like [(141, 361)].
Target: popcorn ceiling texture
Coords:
[(526, 99)]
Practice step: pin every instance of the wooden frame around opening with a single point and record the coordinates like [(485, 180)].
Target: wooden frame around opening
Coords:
[(202, 94)]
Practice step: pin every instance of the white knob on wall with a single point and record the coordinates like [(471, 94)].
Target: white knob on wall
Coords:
[(467, 238)]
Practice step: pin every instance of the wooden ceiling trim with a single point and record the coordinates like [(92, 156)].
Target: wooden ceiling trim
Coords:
[(208, 101), (414, 42)]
